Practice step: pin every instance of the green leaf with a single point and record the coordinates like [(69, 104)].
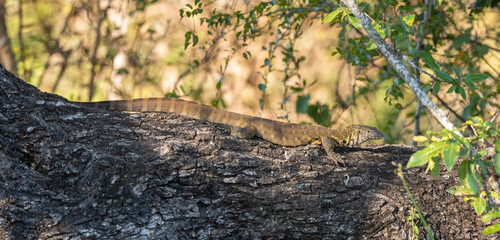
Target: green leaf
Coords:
[(418, 159), (429, 60), (476, 77), (488, 216), (262, 87), (111, 54), (482, 153), (450, 154), (451, 89), (469, 83), (491, 127), (457, 72), (462, 140), (426, 88), (459, 40), (461, 91), (415, 229), (320, 113), (434, 166), (477, 120), (183, 90), (436, 88), (409, 19), (354, 21), (479, 205), (381, 31), (371, 45), (444, 76), (187, 39), (172, 94), (496, 162), (331, 16), (267, 62), (398, 106), (302, 103), (472, 181), (424, 156), (491, 229), (462, 173), (195, 39), (459, 190)]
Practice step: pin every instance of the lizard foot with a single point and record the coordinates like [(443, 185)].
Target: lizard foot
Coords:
[(338, 159)]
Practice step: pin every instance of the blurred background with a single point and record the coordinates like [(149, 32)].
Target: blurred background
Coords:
[(273, 59)]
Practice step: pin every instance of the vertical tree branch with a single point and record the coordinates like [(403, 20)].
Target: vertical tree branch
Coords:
[(119, 17), (93, 55), (394, 58), (64, 64), (21, 45), (56, 48), (6, 55), (420, 38)]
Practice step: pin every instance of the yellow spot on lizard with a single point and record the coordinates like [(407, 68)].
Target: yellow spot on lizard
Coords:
[(281, 133)]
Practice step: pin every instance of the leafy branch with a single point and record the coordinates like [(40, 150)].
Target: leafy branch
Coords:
[(473, 170), (394, 57)]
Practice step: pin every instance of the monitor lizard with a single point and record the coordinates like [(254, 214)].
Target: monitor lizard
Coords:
[(245, 126)]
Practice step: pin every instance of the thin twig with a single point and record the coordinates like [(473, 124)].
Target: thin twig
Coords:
[(394, 57), (419, 68), (21, 42), (486, 176), (399, 172), (56, 48), (446, 37), (489, 64), (9, 60), (423, 29), (93, 55), (450, 109)]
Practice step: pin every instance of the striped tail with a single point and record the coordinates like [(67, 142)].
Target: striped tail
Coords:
[(173, 105)]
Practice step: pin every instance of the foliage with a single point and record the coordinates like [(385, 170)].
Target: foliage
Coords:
[(411, 220), (399, 172), (449, 53), (93, 49), (449, 44), (462, 51), (78, 53), (474, 170), (418, 32), (284, 20)]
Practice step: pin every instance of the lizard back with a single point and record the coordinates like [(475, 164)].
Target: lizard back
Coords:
[(281, 133)]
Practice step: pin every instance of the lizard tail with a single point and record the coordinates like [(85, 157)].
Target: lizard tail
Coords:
[(171, 105)]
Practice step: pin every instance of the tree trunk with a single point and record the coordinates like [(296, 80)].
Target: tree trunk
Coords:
[(6, 56), (68, 171)]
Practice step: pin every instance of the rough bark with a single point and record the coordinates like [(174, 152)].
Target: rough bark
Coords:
[(72, 172)]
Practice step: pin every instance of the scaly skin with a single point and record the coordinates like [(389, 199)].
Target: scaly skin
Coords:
[(244, 126)]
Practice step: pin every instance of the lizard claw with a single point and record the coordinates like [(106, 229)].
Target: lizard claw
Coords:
[(338, 160)]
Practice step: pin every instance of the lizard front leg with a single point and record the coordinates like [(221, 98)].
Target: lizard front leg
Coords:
[(330, 144)]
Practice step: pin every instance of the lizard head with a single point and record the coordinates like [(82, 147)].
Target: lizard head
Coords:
[(361, 133)]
